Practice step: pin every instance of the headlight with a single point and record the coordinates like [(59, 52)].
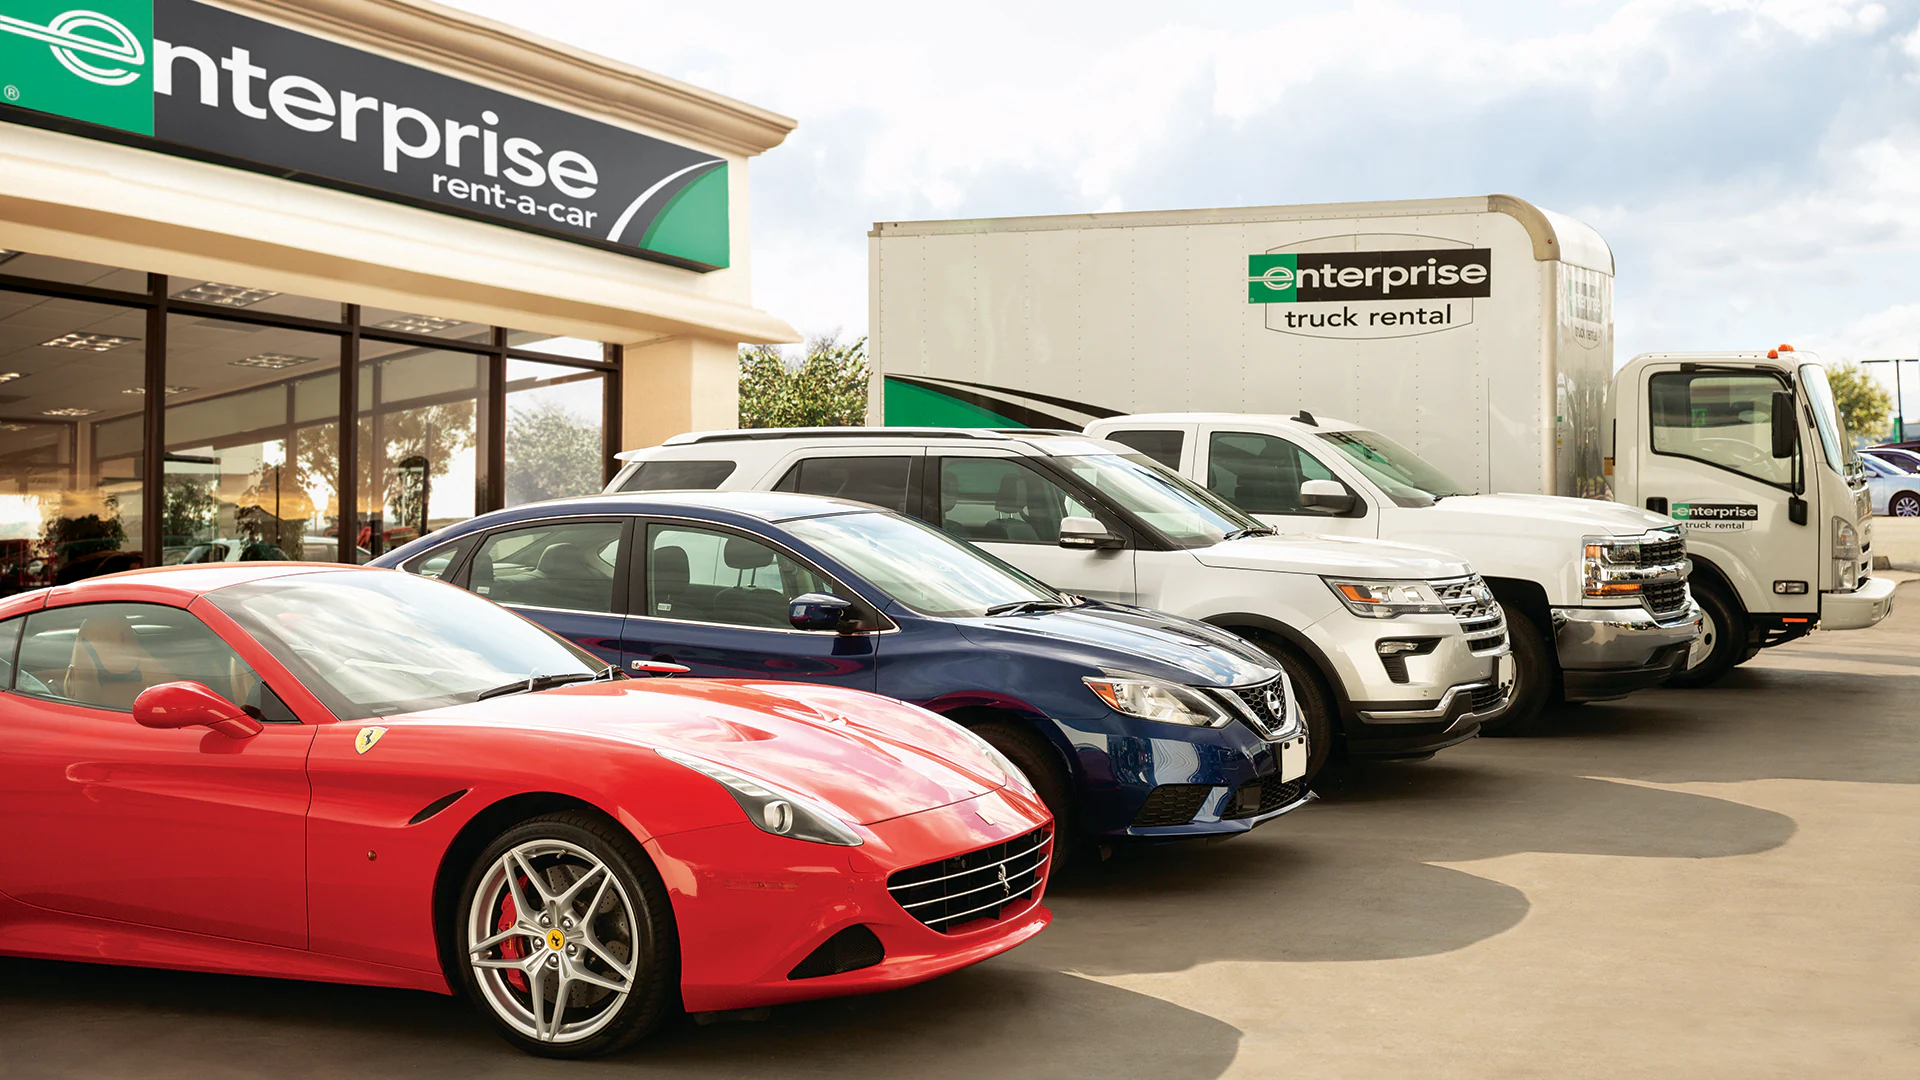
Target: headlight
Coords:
[(1014, 776), (1846, 555), (1156, 699), (1610, 567), (1387, 599), (773, 809)]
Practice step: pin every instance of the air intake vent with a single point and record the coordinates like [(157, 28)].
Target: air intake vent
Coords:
[(849, 950)]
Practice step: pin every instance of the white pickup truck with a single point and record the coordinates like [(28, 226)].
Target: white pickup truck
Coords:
[(1595, 592)]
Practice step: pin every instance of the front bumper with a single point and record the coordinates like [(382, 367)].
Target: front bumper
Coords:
[(750, 906), (1611, 652), (1859, 609), (1439, 701)]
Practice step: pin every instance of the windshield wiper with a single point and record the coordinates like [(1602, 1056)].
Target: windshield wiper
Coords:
[(1024, 607), (539, 682), (1252, 530)]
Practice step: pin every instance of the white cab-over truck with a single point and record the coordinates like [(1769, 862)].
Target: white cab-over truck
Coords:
[(1475, 333)]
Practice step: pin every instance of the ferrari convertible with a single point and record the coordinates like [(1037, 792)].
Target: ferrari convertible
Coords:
[(363, 776)]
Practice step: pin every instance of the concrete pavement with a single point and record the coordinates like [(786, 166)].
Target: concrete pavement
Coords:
[(1719, 883)]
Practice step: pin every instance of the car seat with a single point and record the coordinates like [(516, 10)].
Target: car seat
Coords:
[(669, 580), (110, 666), (566, 579), (480, 574), (750, 603), (1010, 507)]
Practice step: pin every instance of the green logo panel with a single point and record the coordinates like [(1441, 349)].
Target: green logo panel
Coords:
[(1271, 279), (92, 63)]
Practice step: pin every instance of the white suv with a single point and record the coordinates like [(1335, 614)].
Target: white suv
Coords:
[(1396, 650)]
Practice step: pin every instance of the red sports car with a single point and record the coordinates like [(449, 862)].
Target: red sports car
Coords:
[(364, 776)]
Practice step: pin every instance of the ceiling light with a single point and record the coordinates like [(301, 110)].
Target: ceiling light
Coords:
[(274, 361), (418, 324), (171, 390), (88, 342), (212, 292), (8, 376), (13, 427), (68, 412)]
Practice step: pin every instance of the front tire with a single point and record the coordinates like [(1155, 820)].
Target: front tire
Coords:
[(1723, 637), (1535, 673), (565, 937)]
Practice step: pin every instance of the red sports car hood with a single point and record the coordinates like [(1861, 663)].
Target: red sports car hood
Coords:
[(871, 757)]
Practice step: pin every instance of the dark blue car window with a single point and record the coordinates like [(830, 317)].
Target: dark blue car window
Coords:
[(702, 575), (567, 565)]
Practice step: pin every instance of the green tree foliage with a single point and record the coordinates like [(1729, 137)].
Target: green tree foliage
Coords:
[(827, 388), (551, 453), (1865, 406), (189, 508)]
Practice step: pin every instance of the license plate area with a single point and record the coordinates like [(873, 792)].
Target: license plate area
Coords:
[(1293, 758)]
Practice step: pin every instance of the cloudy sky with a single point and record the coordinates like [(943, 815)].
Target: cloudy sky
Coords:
[(1754, 163)]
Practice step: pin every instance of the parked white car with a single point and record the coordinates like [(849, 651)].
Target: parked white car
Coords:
[(1900, 458), (1895, 493), (1395, 650)]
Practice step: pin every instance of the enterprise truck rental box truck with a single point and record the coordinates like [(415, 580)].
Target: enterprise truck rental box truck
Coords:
[(1478, 331)]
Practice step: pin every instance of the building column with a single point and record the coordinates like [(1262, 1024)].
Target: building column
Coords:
[(676, 385)]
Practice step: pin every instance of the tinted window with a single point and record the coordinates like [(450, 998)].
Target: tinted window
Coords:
[(1260, 474), (705, 576), (1721, 418), (678, 476), (104, 655), (554, 565), (917, 565), (881, 481), (1001, 500), (438, 562), (1162, 446)]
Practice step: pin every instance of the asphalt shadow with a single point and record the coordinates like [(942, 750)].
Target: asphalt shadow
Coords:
[(1001, 1018)]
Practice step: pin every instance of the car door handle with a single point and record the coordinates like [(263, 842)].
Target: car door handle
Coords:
[(659, 667)]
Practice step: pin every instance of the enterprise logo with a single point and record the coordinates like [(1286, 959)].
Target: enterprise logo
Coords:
[(111, 41), (1306, 278)]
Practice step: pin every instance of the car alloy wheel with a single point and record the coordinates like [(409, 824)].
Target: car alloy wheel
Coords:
[(1906, 504), (551, 929)]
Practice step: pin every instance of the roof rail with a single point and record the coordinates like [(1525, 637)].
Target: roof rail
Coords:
[(832, 433), (1039, 431)]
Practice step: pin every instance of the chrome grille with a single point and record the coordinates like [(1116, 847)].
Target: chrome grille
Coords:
[(978, 885), (1250, 702), (1472, 603), (1664, 597)]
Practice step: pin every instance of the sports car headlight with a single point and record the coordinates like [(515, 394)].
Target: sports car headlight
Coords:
[(1387, 599), (773, 809), (1157, 699), (1015, 778)]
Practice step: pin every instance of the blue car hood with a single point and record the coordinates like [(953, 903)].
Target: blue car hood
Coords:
[(1119, 638)]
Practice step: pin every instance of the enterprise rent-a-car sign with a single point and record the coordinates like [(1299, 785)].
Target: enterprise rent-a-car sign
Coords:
[(200, 81), (1370, 285)]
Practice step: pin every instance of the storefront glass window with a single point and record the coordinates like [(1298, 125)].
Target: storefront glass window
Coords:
[(571, 348), (407, 322), (252, 447), (72, 382), (554, 421), (420, 412), (252, 300)]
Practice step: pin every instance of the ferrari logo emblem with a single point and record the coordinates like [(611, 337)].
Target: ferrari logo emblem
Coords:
[(556, 940), (1006, 887), (367, 737)]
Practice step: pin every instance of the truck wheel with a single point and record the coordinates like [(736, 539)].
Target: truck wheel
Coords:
[(1723, 638), (1316, 706), (1036, 758), (1534, 676)]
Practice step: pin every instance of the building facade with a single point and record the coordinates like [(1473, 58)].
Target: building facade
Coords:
[(225, 229)]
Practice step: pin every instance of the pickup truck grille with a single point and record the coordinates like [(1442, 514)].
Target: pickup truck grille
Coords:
[(1479, 613), (981, 884), (1661, 552), (1664, 597)]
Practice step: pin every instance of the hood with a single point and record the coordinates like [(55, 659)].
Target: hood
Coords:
[(1333, 556), (870, 757), (1541, 513), (1116, 638)]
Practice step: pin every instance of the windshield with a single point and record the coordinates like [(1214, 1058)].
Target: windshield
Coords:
[(920, 566), (1182, 512), (1834, 436), (1403, 475), (374, 643)]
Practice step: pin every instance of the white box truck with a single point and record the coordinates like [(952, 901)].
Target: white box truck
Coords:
[(1475, 333)]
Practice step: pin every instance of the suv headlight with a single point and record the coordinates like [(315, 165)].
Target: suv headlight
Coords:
[(1387, 599), (1846, 555), (1157, 699), (773, 809)]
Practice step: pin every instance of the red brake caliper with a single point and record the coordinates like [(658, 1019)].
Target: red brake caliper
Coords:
[(514, 947)]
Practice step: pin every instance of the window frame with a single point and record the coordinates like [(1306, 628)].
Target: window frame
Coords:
[(930, 512), (640, 552), (480, 538), (627, 475), (915, 457), (1791, 486), (1299, 452)]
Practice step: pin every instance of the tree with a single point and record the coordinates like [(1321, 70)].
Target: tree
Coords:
[(551, 453), (828, 388), (189, 508), (1866, 407)]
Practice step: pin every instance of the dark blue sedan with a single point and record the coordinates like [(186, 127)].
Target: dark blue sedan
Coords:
[(1129, 723)]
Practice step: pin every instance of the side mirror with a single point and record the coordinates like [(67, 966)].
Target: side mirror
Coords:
[(819, 611), (189, 704), (1786, 428), (1086, 532), (1330, 496)]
